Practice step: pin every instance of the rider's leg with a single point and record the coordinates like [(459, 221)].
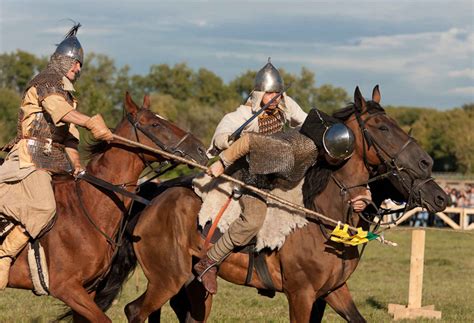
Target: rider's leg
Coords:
[(15, 241), (30, 202), (240, 232)]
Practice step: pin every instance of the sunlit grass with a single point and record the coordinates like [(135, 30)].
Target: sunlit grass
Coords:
[(380, 279)]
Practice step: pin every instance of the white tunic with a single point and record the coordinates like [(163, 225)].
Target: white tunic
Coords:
[(293, 114)]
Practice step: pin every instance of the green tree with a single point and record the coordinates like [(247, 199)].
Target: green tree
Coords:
[(18, 68), (9, 105), (329, 98)]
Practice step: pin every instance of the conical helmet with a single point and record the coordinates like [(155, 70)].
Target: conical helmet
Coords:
[(268, 79), (70, 46)]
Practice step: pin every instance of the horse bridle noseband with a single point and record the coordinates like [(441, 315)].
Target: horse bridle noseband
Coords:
[(175, 149)]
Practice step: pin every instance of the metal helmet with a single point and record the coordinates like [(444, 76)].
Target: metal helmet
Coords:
[(70, 46), (338, 141), (268, 79)]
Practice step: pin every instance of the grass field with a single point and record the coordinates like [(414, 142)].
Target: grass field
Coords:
[(382, 278)]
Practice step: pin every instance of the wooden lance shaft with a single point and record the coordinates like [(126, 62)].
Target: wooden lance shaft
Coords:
[(229, 178)]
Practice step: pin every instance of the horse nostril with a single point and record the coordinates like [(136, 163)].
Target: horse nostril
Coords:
[(440, 201), (424, 164)]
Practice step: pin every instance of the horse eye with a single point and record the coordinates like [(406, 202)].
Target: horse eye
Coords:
[(155, 125), (383, 128)]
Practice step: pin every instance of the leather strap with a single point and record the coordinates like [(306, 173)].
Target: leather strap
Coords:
[(114, 188)]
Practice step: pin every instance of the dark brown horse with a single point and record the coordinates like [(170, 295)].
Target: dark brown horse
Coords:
[(78, 249), (309, 269)]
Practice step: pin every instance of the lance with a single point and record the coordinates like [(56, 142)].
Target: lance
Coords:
[(229, 178)]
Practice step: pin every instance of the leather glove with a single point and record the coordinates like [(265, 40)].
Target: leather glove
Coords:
[(98, 128)]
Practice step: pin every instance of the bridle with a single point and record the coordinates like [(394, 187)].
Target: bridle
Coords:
[(390, 163), (389, 167), (174, 149)]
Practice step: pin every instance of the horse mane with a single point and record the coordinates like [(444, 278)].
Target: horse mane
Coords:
[(315, 181), (344, 113), (95, 148)]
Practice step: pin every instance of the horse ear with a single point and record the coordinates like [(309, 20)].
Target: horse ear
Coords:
[(359, 100), (131, 107), (376, 94), (146, 102)]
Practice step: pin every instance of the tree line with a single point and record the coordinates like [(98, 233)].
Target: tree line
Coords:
[(197, 100)]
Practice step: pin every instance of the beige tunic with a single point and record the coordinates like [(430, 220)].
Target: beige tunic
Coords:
[(26, 194)]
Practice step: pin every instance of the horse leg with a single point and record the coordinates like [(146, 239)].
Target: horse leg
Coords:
[(301, 305), (151, 300), (82, 304), (200, 302), (341, 301), (155, 317), (76, 317), (180, 305), (317, 311)]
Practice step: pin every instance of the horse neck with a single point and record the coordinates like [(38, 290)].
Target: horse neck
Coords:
[(333, 201), (117, 166)]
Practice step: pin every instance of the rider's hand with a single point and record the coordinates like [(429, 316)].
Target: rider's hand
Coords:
[(216, 169), (77, 170), (359, 202)]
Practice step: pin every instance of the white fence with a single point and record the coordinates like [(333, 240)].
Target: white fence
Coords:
[(457, 218)]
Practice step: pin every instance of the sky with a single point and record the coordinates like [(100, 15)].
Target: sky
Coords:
[(421, 53)]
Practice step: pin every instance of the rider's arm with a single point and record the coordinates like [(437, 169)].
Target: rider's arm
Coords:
[(296, 114), (76, 118), (237, 150), (61, 111)]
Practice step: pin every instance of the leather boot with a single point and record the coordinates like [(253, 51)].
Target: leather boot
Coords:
[(206, 271), (15, 241)]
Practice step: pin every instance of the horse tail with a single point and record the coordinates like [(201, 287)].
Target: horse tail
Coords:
[(123, 264)]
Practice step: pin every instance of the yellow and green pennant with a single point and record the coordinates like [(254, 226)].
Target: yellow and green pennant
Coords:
[(342, 235)]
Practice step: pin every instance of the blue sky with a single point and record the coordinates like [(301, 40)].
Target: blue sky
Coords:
[(420, 52)]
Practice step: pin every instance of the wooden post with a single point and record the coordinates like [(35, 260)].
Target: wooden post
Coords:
[(415, 290), (415, 287)]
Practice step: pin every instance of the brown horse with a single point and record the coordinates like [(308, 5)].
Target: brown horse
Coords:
[(81, 243), (309, 269)]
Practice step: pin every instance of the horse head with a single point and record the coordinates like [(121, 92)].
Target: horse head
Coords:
[(150, 129), (389, 152)]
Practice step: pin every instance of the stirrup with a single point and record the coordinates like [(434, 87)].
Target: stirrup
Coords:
[(199, 278)]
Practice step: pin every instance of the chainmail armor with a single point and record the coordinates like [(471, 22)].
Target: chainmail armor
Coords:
[(44, 137), (50, 80), (44, 143), (287, 155)]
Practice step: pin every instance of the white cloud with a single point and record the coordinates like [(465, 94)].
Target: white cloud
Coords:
[(467, 73), (468, 90)]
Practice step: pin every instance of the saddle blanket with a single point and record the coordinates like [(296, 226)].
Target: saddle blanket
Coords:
[(279, 222)]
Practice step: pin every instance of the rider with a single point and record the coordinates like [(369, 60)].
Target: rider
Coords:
[(337, 142), (46, 144)]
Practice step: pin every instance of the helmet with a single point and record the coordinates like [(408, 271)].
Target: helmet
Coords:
[(70, 46), (338, 141), (268, 79)]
